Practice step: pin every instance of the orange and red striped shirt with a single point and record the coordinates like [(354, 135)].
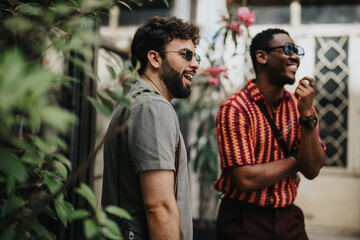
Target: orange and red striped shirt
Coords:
[(246, 138)]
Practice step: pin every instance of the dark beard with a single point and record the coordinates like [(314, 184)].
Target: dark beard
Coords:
[(173, 81), (290, 81)]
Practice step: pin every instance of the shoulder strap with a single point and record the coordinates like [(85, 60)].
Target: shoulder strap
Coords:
[(177, 161), (275, 130)]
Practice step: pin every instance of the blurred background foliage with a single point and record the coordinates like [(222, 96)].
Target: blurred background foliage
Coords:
[(210, 87)]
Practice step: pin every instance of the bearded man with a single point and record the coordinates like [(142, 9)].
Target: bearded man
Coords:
[(147, 162)]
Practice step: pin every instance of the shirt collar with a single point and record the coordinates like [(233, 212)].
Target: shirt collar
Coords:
[(254, 93)]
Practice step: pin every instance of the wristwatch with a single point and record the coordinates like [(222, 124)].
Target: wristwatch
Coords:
[(310, 122)]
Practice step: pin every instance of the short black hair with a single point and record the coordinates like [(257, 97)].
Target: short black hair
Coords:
[(261, 41), (155, 33)]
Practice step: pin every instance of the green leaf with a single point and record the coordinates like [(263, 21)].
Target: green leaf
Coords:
[(42, 231), (79, 214), (97, 19), (234, 37), (106, 102), (86, 192), (137, 2), (11, 204), (166, 3), (125, 4), (11, 165), (225, 35), (58, 118), (32, 158), (117, 211), (12, 2), (111, 230), (90, 228), (29, 8), (60, 142), (75, 3), (3, 7), (50, 212), (42, 145), (100, 107), (100, 216), (60, 167), (138, 65), (63, 159), (111, 71), (10, 185), (64, 210), (63, 9), (117, 93), (18, 25), (53, 183)]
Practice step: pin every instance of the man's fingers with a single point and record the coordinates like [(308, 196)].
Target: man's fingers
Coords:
[(310, 81)]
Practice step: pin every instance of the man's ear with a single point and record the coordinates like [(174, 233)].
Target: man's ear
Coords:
[(261, 56), (154, 59)]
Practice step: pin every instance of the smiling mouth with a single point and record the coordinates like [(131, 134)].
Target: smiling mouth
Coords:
[(188, 76), (294, 68)]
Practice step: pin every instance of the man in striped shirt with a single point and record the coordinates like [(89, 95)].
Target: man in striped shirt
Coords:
[(258, 178)]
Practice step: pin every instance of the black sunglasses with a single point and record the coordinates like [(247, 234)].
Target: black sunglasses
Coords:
[(187, 54), (289, 49)]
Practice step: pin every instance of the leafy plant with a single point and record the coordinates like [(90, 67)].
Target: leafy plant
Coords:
[(34, 170)]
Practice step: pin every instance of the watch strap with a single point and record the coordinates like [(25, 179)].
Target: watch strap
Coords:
[(308, 122)]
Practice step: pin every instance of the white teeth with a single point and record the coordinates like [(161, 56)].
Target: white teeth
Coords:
[(294, 67), (188, 76)]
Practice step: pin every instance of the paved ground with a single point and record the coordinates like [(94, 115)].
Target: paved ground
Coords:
[(320, 234)]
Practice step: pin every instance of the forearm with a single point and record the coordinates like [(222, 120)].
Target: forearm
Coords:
[(163, 222), (161, 209), (260, 176), (311, 156)]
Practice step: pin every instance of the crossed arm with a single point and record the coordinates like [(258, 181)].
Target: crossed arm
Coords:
[(160, 204), (309, 160)]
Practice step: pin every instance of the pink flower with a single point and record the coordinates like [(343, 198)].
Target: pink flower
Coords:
[(242, 13), (214, 81), (250, 20), (246, 16), (214, 70), (234, 26)]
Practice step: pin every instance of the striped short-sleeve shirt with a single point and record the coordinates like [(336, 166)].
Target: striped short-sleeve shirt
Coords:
[(246, 138)]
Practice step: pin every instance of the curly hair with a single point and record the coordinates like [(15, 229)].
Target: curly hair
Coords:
[(261, 41), (155, 33)]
